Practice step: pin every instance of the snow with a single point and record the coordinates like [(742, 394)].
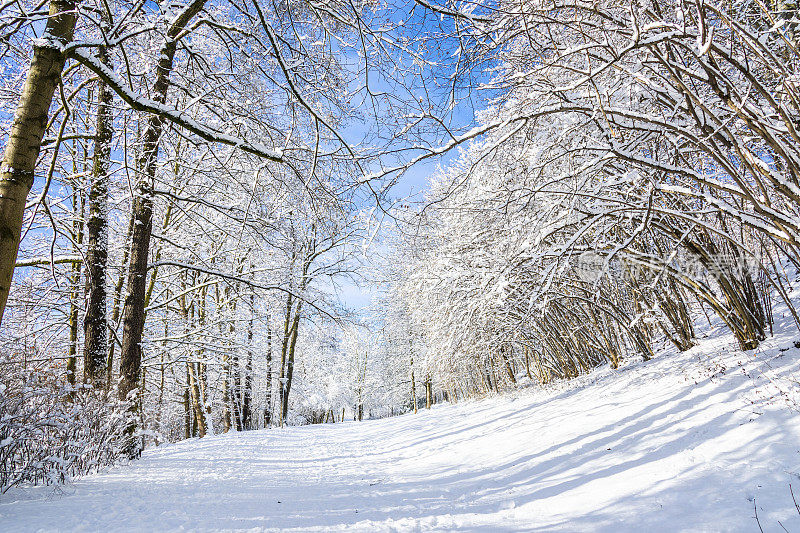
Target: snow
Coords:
[(686, 442)]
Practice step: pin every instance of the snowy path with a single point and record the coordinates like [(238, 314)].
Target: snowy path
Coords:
[(642, 447)]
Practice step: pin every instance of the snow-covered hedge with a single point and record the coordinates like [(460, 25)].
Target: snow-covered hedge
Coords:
[(51, 432)]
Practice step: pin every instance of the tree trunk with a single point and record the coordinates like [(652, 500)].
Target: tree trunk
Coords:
[(25, 137), (509, 370), (74, 292), (187, 413), (287, 321), (95, 328), (268, 399), (428, 393), (528, 364), (161, 385), (287, 383), (197, 400), (413, 385), (202, 369), (247, 396), (189, 427), (227, 369), (133, 316), (72, 359), (226, 394), (236, 373)]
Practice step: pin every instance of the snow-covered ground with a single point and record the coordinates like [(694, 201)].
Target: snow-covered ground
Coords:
[(699, 441)]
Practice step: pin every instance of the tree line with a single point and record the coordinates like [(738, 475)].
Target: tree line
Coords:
[(637, 180)]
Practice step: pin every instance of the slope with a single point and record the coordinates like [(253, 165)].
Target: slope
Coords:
[(699, 441)]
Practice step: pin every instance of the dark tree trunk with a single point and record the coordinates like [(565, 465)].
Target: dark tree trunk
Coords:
[(72, 359), (196, 389), (268, 400), (95, 329), (237, 377), (187, 413), (74, 293), (134, 314), (287, 322), (287, 383), (509, 370), (413, 384), (247, 396), (230, 404)]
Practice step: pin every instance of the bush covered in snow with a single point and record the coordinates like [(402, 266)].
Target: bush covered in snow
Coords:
[(49, 430)]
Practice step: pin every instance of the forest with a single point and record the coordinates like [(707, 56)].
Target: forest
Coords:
[(222, 216)]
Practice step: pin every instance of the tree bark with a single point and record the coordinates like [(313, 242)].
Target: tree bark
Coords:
[(72, 359), (507, 364), (287, 321), (27, 131), (247, 396), (95, 327), (235, 367), (413, 383), (133, 316), (268, 399), (74, 292), (226, 394), (197, 399), (428, 393), (187, 414), (286, 385), (228, 405)]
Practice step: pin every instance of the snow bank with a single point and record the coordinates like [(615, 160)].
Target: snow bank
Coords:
[(699, 441)]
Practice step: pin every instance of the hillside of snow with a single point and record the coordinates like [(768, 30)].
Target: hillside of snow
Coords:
[(700, 441)]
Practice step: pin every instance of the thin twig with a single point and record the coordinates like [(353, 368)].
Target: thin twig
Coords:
[(757, 520)]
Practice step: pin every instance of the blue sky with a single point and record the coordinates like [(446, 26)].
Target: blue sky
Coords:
[(411, 187), (432, 87)]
